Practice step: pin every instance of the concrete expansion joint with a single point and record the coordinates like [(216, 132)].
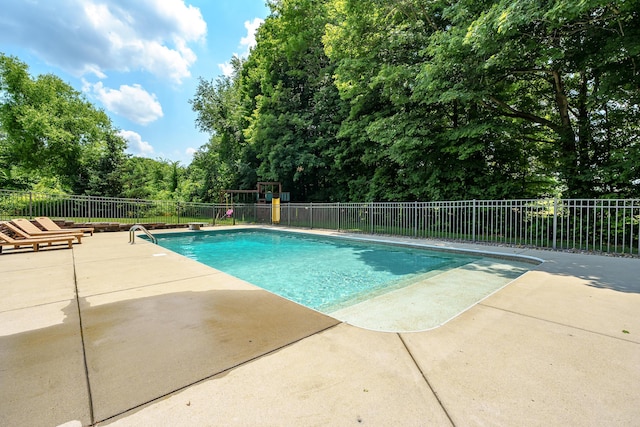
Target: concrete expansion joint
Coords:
[(112, 292), (558, 323), (82, 340), (426, 380), (44, 304)]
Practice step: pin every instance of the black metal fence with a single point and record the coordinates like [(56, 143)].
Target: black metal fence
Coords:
[(103, 209), (600, 225)]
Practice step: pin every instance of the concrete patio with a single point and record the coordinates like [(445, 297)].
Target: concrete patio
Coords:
[(114, 334)]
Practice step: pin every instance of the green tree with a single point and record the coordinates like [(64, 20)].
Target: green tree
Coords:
[(227, 160), (412, 142), (566, 72), (405, 99), (374, 46), (48, 125), (155, 179), (105, 165), (295, 107), (209, 174)]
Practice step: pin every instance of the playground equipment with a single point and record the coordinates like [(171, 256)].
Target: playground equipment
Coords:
[(265, 192)]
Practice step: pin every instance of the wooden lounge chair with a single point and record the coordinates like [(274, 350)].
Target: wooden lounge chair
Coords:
[(25, 229), (49, 225), (6, 240)]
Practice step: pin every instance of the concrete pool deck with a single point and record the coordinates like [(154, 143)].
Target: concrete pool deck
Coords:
[(125, 335)]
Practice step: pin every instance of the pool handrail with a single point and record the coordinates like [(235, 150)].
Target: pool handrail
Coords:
[(132, 234)]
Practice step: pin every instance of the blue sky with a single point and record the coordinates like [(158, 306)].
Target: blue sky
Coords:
[(138, 60)]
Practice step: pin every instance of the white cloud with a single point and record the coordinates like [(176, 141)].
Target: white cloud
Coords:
[(226, 68), (94, 36), (135, 144), (187, 20), (131, 102), (190, 151), (247, 43)]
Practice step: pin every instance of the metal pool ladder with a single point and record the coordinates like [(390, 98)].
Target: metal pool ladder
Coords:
[(132, 234)]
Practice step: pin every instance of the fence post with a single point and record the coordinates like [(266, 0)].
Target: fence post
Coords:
[(473, 221), (30, 205), (555, 222), (338, 216), (415, 219), (310, 214)]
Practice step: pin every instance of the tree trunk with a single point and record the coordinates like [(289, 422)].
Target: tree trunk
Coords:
[(570, 166)]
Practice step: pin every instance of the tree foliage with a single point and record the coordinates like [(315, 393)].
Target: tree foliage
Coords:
[(377, 100), (407, 99), (53, 139), (51, 129), (566, 70), (295, 107)]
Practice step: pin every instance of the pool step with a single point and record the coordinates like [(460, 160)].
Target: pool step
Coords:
[(431, 301)]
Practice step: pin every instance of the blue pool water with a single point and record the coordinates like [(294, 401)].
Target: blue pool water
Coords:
[(323, 273)]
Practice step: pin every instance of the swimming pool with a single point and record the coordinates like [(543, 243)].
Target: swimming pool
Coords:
[(338, 276)]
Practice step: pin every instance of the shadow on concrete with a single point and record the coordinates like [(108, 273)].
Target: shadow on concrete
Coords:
[(615, 273), (42, 375), (139, 350), (9, 250)]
